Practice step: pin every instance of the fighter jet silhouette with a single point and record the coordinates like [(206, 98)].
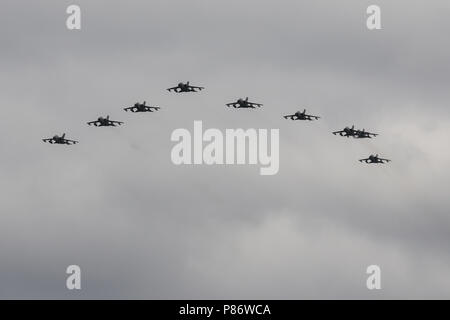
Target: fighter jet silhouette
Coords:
[(355, 133), (59, 140), (244, 103), (185, 87), (374, 159), (346, 132), (361, 134), (141, 107), (301, 115), (104, 122)]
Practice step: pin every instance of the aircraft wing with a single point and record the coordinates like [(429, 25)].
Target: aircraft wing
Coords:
[(176, 89), (92, 123), (310, 117), (132, 109), (71, 141), (290, 116), (364, 134), (255, 104), (196, 88)]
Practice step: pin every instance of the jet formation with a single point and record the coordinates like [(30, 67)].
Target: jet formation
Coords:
[(238, 104)]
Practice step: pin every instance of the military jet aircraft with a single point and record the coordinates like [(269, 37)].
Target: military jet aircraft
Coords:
[(141, 107), (355, 133), (374, 159), (185, 87), (60, 140), (346, 132), (244, 103), (301, 116), (104, 122), (360, 134)]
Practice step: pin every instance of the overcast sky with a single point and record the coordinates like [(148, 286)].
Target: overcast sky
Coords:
[(141, 227)]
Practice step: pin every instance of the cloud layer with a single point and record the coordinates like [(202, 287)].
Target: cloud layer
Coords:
[(140, 227)]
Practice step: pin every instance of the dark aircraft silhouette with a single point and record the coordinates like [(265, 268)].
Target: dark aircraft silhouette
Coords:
[(59, 140), (244, 103), (361, 134), (301, 116), (355, 133), (374, 159), (104, 122), (185, 87), (346, 132), (141, 107)]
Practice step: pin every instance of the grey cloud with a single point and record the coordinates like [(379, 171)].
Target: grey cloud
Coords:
[(141, 227)]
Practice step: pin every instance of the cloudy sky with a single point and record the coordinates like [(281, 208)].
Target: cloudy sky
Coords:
[(141, 227)]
